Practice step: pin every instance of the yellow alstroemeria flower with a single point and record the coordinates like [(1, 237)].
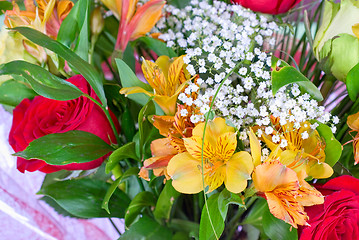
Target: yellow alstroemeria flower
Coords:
[(220, 163), (300, 154), (134, 21), (285, 189), (167, 78)]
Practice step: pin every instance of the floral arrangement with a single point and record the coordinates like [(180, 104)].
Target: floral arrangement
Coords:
[(189, 119)]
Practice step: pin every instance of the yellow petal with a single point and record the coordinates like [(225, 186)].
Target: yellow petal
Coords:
[(166, 103), (214, 129), (255, 148), (319, 170), (164, 63), (145, 18), (185, 173), (115, 6), (238, 171), (353, 121), (174, 72), (226, 145), (194, 148), (131, 9), (269, 142), (133, 90), (215, 180), (154, 76), (267, 176), (355, 29), (48, 10)]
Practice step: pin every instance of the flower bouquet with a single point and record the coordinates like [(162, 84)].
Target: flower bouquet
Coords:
[(189, 119)]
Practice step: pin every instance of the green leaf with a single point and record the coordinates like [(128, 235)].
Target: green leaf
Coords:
[(42, 81), (353, 83), (84, 68), (5, 5), (159, 47), (125, 151), (179, 3), (52, 203), (130, 172), (192, 228), (165, 202), (13, 92), (76, 24), (146, 229), (212, 224), (287, 75), (129, 79), (225, 198), (333, 148), (65, 148), (277, 229), (144, 125), (129, 57), (138, 203), (83, 198)]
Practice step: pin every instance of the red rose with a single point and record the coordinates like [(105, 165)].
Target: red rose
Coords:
[(338, 217), (268, 6), (41, 116)]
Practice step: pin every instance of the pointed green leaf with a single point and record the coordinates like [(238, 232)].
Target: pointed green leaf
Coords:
[(13, 92), (212, 221), (84, 68), (130, 172), (65, 148), (125, 151), (285, 74), (138, 203), (159, 47), (42, 81), (353, 83), (83, 198), (165, 202)]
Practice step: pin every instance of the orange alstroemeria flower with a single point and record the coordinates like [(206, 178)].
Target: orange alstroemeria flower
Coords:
[(135, 21), (285, 192), (353, 123), (174, 128), (300, 154), (167, 77), (220, 162), (284, 188), (46, 17)]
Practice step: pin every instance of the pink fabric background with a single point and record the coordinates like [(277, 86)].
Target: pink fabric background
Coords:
[(23, 216)]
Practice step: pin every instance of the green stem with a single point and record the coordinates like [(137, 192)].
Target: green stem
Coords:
[(236, 218), (326, 87), (107, 113)]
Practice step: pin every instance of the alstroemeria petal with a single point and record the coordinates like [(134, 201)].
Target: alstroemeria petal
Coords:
[(238, 171), (319, 170), (163, 124), (185, 173), (353, 121), (355, 29), (226, 145), (63, 9), (269, 175), (255, 148), (162, 147), (194, 148), (308, 195), (133, 90), (48, 10), (154, 76), (145, 18)]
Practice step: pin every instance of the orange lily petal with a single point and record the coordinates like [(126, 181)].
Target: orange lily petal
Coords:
[(320, 170), (308, 195), (185, 173), (48, 10), (153, 75), (145, 18), (238, 171), (163, 124)]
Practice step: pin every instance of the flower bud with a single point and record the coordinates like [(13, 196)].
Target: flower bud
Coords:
[(336, 44), (97, 21)]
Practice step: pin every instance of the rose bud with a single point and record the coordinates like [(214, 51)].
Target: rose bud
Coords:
[(268, 6)]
